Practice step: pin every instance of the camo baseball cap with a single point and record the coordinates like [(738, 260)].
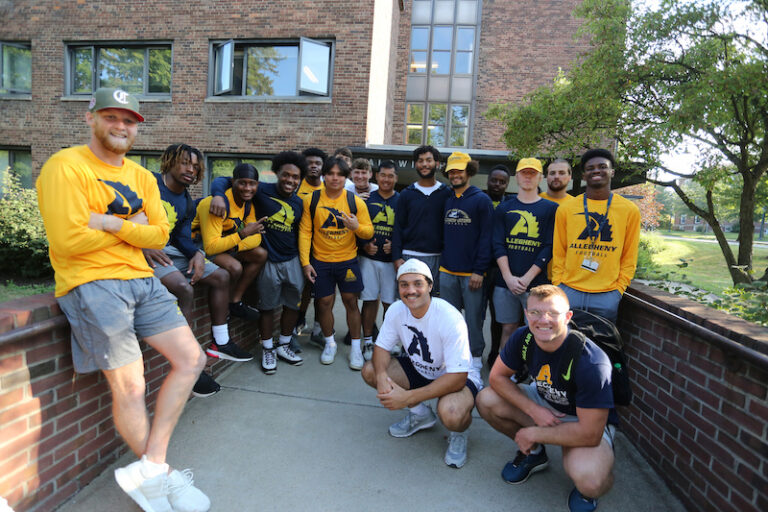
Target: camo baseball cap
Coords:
[(109, 97)]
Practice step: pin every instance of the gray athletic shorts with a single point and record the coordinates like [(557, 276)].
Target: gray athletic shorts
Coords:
[(379, 280), (181, 263), (509, 307), (280, 284), (108, 317), (530, 391)]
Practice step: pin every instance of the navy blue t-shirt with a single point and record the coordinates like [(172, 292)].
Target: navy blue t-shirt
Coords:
[(180, 214), (592, 374), (382, 212)]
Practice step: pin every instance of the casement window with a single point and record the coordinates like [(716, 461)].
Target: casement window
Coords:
[(16, 65)]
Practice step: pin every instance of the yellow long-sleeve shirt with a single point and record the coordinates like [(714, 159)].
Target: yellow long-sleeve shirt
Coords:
[(305, 189), (219, 235), (74, 183), (554, 199), (615, 249), (327, 236)]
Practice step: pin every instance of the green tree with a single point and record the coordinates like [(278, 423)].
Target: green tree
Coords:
[(681, 73)]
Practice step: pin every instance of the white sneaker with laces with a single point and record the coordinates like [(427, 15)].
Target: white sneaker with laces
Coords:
[(151, 494), (368, 351), (356, 360), (456, 454), (285, 353), (329, 353), (412, 423), (268, 361), (183, 495)]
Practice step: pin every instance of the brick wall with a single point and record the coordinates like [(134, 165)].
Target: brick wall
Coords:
[(56, 429), (699, 415)]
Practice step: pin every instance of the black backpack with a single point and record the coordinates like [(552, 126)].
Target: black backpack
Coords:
[(604, 334)]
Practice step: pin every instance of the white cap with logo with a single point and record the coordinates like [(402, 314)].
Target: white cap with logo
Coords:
[(414, 266)]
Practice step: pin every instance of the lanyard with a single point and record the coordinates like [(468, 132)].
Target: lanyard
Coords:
[(593, 241)]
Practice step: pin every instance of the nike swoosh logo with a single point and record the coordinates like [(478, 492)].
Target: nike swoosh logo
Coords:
[(567, 375)]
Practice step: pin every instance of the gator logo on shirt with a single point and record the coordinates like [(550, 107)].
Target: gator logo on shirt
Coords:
[(455, 216), (126, 202), (333, 220), (526, 224), (282, 219), (385, 216), (419, 345), (170, 211), (590, 231)]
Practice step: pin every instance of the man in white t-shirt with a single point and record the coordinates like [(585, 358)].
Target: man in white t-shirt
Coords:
[(436, 362)]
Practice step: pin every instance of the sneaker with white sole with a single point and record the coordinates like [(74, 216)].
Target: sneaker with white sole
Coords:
[(523, 466), (268, 361), (229, 351), (577, 502), (205, 386), (285, 353), (368, 351), (456, 454), (356, 360), (183, 495), (151, 494), (329, 353), (412, 423)]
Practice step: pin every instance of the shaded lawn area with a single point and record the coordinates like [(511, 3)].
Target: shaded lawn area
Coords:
[(705, 263), (14, 288)]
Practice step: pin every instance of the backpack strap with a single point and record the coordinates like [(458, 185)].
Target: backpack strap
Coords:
[(351, 202), (570, 358), (312, 209)]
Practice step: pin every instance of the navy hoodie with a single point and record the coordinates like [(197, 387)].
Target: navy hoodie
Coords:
[(419, 221), (467, 228)]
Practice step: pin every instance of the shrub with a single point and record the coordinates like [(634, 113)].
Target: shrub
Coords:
[(650, 244), (23, 245), (748, 301)]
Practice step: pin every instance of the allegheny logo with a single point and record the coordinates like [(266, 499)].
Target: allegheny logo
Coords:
[(386, 215), (126, 202), (590, 231), (170, 211), (350, 277), (332, 221), (457, 217), (419, 345), (526, 224), (282, 219)]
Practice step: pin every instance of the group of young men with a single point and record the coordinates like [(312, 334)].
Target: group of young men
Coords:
[(438, 248)]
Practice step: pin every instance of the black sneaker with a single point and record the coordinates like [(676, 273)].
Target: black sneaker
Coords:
[(205, 386), (242, 310), (523, 466), (229, 351)]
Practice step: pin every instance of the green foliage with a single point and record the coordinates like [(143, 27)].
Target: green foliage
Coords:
[(748, 301), (12, 290), (23, 245), (650, 244)]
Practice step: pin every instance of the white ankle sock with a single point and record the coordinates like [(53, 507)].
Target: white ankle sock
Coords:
[(356, 345), (220, 334), (367, 340), (419, 410), (330, 340), (284, 340), (267, 344), (151, 469)]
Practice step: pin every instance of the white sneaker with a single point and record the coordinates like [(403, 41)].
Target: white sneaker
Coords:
[(329, 353), (183, 495), (456, 454), (285, 353), (356, 360), (368, 351), (151, 494), (411, 424), (268, 361)]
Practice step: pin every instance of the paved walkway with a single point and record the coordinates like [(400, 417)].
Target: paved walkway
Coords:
[(314, 438)]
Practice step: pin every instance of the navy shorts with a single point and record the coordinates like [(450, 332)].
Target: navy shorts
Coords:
[(344, 274), (417, 380)]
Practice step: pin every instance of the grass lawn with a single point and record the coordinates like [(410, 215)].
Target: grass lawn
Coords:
[(10, 289), (706, 266), (707, 236)]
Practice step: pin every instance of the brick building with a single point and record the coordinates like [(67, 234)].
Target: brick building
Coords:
[(243, 80)]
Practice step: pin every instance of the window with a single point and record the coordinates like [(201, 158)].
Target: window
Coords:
[(142, 69), (263, 69), (16, 63), (441, 73), (147, 161), (19, 163), (224, 165)]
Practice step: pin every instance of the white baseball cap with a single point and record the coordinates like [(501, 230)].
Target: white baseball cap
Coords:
[(414, 266)]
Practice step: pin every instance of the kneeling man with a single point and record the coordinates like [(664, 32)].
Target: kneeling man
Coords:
[(436, 364), (568, 403)]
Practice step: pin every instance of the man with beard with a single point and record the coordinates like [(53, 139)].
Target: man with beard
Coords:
[(522, 246), (280, 282), (467, 224), (594, 251), (436, 364), (331, 221), (180, 265), (100, 210), (419, 217), (558, 177)]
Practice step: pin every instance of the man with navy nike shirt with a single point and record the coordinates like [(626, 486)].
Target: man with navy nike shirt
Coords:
[(436, 363)]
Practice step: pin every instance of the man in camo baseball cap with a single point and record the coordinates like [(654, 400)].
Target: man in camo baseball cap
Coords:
[(108, 97)]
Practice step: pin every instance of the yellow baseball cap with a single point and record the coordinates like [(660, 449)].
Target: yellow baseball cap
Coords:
[(529, 163), (458, 160)]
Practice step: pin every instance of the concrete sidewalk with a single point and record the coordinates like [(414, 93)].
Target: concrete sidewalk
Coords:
[(314, 438)]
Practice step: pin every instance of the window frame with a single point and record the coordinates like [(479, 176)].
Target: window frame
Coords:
[(302, 93), (97, 46), (448, 126), (15, 44), (12, 157), (239, 158)]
